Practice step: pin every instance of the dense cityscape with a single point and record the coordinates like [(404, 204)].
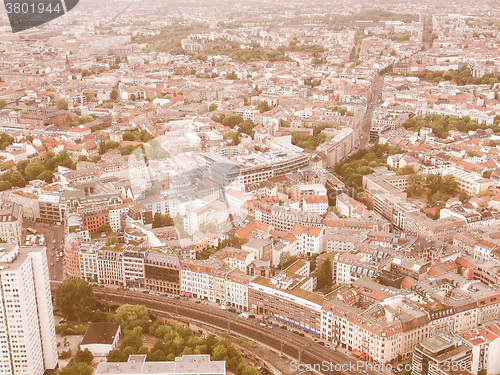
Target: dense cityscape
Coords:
[(251, 188)]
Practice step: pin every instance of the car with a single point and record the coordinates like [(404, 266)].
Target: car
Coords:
[(315, 339), (58, 344), (204, 303), (52, 264), (222, 307), (57, 259), (198, 302), (321, 343), (62, 321), (53, 241), (171, 296), (301, 334), (145, 292), (262, 324), (283, 327)]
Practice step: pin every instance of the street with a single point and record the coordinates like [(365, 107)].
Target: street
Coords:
[(51, 232), (375, 99)]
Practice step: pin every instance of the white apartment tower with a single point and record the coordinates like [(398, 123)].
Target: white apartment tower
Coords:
[(27, 334)]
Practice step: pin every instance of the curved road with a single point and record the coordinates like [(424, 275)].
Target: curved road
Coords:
[(310, 352)]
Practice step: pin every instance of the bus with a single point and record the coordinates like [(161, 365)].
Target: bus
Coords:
[(34, 231)]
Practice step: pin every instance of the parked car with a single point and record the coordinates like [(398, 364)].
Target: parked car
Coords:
[(231, 309)]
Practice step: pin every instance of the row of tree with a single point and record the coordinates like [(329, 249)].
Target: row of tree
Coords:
[(461, 77), (435, 188), (25, 170), (441, 125), (353, 168)]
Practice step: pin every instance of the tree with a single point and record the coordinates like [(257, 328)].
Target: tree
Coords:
[(85, 356), (76, 368), (129, 136), (416, 184), (21, 166), (131, 316), (62, 104), (325, 274), (113, 95), (232, 121), (212, 107), (33, 170), (106, 228), (5, 185), (75, 299), (111, 240), (3, 103), (263, 107), (286, 260), (46, 176), (160, 220), (132, 339), (132, 97)]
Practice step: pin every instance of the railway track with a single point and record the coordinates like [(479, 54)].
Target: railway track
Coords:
[(304, 351)]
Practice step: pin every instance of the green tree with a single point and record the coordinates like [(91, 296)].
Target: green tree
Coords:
[(416, 184), (76, 368), (62, 104), (21, 166), (3, 103), (106, 228), (75, 299), (325, 275), (286, 260), (5, 141), (46, 176), (129, 136), (111, 240), (263, 107), (131, 316), (113, 95), (5, 185), (220, 353), (33, 170), (85, 356), (132, 339), (232, 121), (156, 220), (212, 107)]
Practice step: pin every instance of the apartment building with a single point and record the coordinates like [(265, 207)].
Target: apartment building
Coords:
[(197, 278), (469, 183), (11, 222), (310, 240), (236, 288), (372, 334), (162, 271), (234, 258), (27, 333), (434, 356), (485, 344)]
